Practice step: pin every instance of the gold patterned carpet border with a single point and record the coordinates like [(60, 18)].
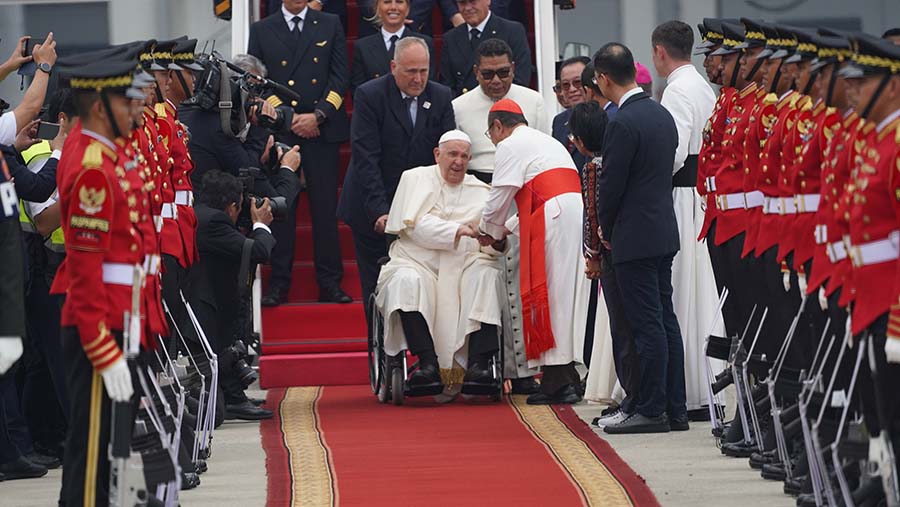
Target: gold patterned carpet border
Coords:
[(312, 476)]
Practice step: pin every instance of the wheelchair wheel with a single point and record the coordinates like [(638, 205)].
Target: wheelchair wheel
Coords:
[(376, 349), (397, 378)]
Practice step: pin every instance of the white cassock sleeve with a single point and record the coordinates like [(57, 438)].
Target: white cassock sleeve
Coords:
[(679, 106), (509, 177), (434, 233)]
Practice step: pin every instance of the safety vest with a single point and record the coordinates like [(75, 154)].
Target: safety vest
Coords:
[(55, 242)]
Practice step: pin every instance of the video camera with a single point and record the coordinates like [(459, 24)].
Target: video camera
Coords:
[(231, 90)]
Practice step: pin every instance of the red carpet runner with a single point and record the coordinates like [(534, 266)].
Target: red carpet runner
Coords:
[(338, 446)]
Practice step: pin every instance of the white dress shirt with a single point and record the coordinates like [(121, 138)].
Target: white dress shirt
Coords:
[(627, 95), (471, 111), (8, 128), (690, 100), (289, 17), (386, 35), (480, 26)]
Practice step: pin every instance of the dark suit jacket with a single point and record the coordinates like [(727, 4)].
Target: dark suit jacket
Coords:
[(214, 278), (458, 57), (35, 187), (371, 58), (637, 215), (384, 144), (315, 66), (561, 133)]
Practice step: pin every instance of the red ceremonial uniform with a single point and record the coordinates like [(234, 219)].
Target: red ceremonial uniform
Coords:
[(777, 119), (832, 179), (177, 188), (711, 155), (874, 233), (102, 243), (805, 177), (754, 141), (841, 276), (731, 219)]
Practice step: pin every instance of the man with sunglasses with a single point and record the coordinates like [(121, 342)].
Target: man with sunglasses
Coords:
[(496, 71), (570, 85)]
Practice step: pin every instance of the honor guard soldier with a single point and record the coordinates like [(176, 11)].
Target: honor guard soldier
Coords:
[(101, 210), (874, 249), (305, 50), (839, 126)]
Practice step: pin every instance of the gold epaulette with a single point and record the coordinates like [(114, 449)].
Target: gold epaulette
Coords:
[(770, 99), (93, 156), (160, 109), (335, 99), (890, 128)]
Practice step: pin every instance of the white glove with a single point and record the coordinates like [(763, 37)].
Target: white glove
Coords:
[(10, 352), (892, 349), (786, 280), (823, 300), (117, 379), (801, 283)]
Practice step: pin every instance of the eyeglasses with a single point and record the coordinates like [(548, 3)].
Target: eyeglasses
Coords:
[(487, 133), (488, 74), (570, 84)]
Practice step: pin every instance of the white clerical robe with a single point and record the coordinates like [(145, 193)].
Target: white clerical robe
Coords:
[(690, 101), (525, 154), (471, 112), (454, 285)]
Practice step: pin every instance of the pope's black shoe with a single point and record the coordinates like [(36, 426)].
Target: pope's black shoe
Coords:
[(477, 376), (334, 295), (639, 423), (246, 411), (21, 469), (426, 376), (524, 385), (276, 296)]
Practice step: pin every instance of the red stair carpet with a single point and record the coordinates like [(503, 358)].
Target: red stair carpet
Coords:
[(306, 343), (338, 446)]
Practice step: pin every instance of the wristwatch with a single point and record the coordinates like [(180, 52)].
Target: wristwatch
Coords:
[(44, 66)]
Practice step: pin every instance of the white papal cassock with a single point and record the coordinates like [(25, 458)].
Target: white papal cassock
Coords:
[(523, 156), (690, 101), (455, 286)]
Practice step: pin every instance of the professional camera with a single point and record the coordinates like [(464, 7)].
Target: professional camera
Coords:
[(225, 87), (248, 176), (245, 373)]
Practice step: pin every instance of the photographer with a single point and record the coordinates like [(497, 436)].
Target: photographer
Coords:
[(216, 278), (44, 57)]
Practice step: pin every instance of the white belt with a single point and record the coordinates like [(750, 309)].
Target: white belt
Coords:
[(807, 203), (169, 210), (151, 264), (836, 251), (821, 234), (727, 202), (753, 199), (876, 252), (158, 222), (184, 198), (788, 205), (118, 273), (711, 184), (772, 206)]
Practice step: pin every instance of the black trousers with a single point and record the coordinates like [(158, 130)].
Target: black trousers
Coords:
[(88, 437), (624, 353), (878, 392), (174, 281), (15, 439), (591, 321), (370, 248), (320, 166), (645, 286), (482, 343)]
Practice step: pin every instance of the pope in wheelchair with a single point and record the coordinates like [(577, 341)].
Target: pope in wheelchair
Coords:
[(439, 294)]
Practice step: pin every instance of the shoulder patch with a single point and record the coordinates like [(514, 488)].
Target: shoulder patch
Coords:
[(93, 156), (160, 110), (90, 210)]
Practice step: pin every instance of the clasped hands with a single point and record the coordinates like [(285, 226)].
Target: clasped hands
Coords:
[(471, 231)]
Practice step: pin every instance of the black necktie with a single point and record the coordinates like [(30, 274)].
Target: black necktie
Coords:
[(475, 35), (410, 102), (394, 40), (296, 31)]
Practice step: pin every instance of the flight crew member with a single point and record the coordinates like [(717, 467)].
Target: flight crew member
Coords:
[(305, 50)]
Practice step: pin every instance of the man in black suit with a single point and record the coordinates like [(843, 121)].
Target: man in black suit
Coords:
[(397, 121), (571, 87), (637, 221), (458, 54), (215, 277), (305, 50)]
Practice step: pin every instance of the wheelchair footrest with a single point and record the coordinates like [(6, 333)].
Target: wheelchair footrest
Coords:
[(424, 390), (480, 389)]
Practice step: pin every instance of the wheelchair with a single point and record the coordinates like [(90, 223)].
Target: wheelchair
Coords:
[(388, 374)]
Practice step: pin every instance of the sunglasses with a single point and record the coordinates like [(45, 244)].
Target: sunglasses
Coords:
[(565, 85), (489, 74)]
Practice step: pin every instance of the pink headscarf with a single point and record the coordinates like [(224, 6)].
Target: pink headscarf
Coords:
[(643, 75)]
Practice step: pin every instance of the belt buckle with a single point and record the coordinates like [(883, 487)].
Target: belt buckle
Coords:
[(855, 254)]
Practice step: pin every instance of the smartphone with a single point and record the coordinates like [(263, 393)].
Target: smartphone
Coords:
[(47, 130), (28, 48)]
